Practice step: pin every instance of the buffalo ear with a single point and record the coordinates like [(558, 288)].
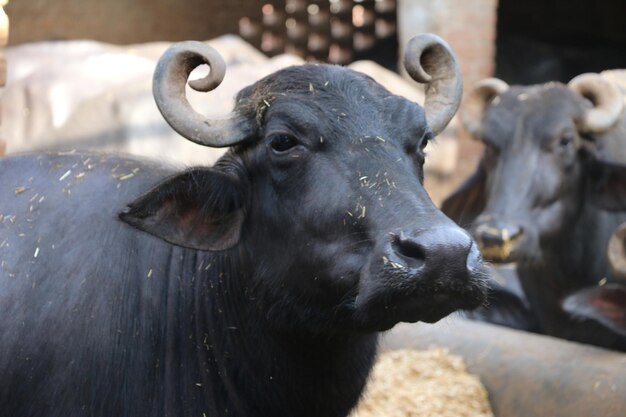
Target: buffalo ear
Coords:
[(469, 200), (607, 188), (605, 305), (199, 209)]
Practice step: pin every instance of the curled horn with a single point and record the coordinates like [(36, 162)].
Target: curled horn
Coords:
[(605, 96), (617, 253), (168, 88), (428, 59), (477, 101)]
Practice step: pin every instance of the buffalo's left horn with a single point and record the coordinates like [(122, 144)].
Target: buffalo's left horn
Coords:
[(428, 59), (483, 93), (605, 96), (168, 87)]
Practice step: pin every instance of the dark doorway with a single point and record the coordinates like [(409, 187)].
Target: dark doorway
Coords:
[(555, 40)]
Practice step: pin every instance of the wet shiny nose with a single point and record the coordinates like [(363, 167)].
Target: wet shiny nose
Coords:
[(443, 250)]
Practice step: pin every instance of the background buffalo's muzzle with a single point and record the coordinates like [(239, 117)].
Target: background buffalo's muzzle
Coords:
[(497, 241)]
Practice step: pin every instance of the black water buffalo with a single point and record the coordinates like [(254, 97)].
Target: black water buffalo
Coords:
[(256, 287), (547, 195)]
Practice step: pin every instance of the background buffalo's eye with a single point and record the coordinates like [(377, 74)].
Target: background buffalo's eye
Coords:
[(566, 140), (282, 143)]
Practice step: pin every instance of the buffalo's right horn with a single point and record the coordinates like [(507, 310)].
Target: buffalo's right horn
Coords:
[(477, 101), (168, 87), (428, 59), (605, 96)]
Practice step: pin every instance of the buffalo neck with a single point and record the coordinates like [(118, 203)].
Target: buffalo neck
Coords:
[(574, 259), (579, 252), (242, 364)]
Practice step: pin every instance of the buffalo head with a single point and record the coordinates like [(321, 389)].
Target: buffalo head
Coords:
[(320, 200), (549, 150)]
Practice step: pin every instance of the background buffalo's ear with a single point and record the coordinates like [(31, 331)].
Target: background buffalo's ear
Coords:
[(607, 186), (506, 307), (469, 200), (605, 305), (199, 209)]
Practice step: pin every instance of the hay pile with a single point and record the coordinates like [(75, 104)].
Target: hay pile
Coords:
[(432, 383)]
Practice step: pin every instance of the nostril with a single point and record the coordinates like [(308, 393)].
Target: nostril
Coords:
[(408, 248)]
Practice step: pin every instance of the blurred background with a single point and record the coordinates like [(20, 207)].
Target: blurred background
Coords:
[(520, 42)]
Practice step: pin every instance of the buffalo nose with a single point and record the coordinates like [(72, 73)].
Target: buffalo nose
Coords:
[(497, 240), (444, 249)]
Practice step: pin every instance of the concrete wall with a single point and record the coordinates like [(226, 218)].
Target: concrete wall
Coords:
[(126, 21), (468, 25)]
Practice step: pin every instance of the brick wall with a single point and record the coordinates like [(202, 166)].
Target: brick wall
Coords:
[(469, 26), (125, 21)]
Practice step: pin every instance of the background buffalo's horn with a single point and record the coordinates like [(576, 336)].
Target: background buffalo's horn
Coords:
[(616, 252), (168, 87), (605, 96), (477, 101), (428, 59)]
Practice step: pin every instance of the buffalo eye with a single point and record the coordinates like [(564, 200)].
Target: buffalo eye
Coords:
[(282, 143), (566, 140)]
